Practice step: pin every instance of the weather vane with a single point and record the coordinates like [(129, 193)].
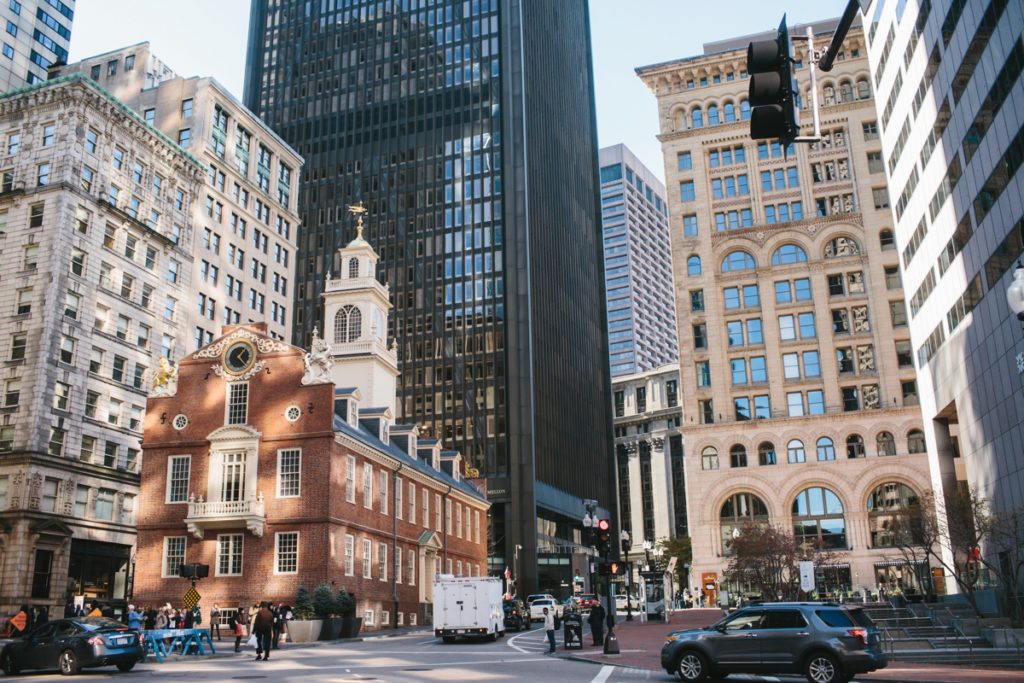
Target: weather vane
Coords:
[(358, 210)]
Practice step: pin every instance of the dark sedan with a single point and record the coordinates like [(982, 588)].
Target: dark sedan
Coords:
[(517, 615), (72, 644)]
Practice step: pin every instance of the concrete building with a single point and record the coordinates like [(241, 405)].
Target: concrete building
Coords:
[(637, 265), (86, 311), (277, 470), (950, 98), (800, 400), (649, 457), (247, 222), (37, 35), (467, 129)]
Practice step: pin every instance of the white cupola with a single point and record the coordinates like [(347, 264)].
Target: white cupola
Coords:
[(356, 310)]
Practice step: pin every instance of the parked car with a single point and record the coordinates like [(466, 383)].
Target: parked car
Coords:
[(622, 606), (517, 615), (538, 596), (587, 601), (538, 605), (73, 644), (826, 642)]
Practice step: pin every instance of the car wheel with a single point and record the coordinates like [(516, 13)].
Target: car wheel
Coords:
[(822, 667), (69, 663), (126, 666), (8, 665), (692, 666)]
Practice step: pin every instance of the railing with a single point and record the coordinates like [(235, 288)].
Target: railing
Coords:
[(226, 508)]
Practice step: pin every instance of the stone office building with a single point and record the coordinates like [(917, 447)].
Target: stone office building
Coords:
[(799, 391), (84, 315), (282, 469)]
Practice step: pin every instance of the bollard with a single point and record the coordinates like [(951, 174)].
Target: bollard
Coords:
[(611, 644)]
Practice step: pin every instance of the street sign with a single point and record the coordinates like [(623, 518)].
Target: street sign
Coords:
[(806, 576), (191, 598)]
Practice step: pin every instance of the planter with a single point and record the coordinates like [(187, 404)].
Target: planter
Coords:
[(305, 631), (350, 626), (331, 630)]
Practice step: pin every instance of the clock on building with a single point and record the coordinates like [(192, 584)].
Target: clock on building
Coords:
[(238, 357)]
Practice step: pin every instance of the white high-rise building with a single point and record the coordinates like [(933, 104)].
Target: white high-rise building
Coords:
[(950, 101), (637, 265), (36, 34)]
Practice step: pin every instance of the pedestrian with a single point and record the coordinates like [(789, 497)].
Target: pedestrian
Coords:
[(276, 630), (252, 615), (596, 621), (160, 620), (134, 618), (197, 616), (150, 623), (236, 627), (263, 627), (549, 628), (189, 618), (215, 621)]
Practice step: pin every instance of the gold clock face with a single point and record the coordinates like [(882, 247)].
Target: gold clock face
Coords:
[(239, 357)]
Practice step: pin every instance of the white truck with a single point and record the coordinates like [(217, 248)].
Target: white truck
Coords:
[(468, 606)]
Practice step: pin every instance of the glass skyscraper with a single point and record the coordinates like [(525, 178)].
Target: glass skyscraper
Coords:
[(467, 129)]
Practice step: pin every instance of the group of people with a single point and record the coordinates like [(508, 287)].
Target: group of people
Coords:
[(597, 618), (267, 623)]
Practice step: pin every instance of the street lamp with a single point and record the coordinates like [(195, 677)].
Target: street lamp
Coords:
[(624, 539), (1015, 292), (647, 554), (589, 522)]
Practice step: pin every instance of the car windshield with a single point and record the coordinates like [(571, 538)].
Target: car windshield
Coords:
[(97, 623)]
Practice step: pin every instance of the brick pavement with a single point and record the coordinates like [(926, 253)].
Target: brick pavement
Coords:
[(640, 647)]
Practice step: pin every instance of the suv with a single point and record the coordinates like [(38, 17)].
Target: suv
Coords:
[(827, 642), (517, 616)]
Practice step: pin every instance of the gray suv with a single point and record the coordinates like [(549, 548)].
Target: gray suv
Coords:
[(827, 642)]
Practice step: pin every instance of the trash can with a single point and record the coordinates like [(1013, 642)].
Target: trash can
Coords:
[(572, 631)]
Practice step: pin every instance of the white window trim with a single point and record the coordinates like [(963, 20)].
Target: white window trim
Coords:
[(382, 561), (349, 569), (383, 491), (399, 498), (367, 558), (216, 570), (412, 502), (167, 491), (227, 403), (298, 541), (350, 479), (279, 460), (163, 558), (367, 492)]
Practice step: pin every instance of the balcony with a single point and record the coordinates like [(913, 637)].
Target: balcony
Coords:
[(227, 514)]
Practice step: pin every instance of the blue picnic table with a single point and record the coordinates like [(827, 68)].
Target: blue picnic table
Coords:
[(185, 640)]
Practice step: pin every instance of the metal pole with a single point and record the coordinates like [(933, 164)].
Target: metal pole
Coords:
[(825, 63)]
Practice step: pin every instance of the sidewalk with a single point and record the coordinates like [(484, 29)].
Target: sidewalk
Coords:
[(640, 647)]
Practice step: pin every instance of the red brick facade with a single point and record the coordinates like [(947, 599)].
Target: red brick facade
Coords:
[(242, 488)]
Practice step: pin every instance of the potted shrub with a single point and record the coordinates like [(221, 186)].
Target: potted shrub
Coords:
[(304, 628), (346, 606), (326, 609)]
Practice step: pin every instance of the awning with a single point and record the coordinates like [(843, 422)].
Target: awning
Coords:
[(899, 563)]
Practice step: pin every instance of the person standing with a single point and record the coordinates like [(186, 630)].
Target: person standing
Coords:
[(215, 621), (134, 618), (276, 632), (263, 627), (549, 628), (596, 621), (235, 624)]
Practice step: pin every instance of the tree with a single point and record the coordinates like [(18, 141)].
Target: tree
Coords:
[(767, 560), (323, 601), (303, 607), (680, 548), (345, 604), (1003, 555)]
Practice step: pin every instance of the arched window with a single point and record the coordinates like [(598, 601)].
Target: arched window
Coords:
[(741, 510), (788, 253), (863, 89), (766, 453), (854, 446), (738, 260), (846, 91), (713, 115), (886, 444), (697, 118), (744, 109), (818, 518), (887, 508), (915, 441), (729, 109), (353, 267), (826, 449), (709, 458), (693, 266), (347, 324), (886, 239), (737, 456), (795, 451), (842, 246)]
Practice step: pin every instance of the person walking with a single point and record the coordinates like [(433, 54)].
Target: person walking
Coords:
[(263, 627), (549, 628), (235, 624), (596, 621), (215, 621)]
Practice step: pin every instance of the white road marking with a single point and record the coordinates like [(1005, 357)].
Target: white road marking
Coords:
[(603, 674)]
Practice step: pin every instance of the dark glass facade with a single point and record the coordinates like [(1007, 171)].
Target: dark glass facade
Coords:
[(467, 129)]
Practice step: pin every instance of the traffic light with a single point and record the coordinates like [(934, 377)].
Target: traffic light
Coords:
[(604, 527), (773, 91), (616, 568)]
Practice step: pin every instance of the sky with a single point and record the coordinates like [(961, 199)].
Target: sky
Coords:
[(208, 37)]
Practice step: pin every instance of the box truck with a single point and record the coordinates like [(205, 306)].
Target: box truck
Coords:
[(468, 606)]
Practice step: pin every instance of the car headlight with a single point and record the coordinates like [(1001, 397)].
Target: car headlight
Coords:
[(671, 638)]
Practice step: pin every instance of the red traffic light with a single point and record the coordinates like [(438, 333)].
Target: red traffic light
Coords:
[(603, 525)]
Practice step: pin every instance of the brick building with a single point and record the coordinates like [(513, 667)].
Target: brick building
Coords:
[(268, 464)]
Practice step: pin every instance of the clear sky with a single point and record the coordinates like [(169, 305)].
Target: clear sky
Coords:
[(207, 38)]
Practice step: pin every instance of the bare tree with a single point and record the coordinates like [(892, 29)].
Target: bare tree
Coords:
[(767, 559), (1003, 555)]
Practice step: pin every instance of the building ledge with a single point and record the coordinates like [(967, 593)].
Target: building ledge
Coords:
[(203, 515)]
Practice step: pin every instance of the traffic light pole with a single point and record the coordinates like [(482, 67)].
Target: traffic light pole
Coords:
[(812, 66)]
